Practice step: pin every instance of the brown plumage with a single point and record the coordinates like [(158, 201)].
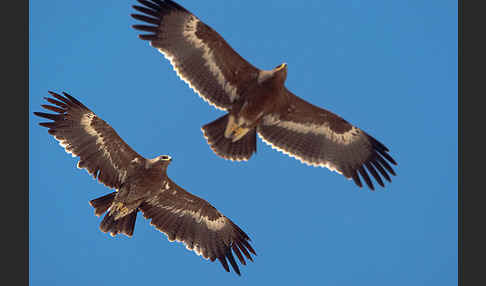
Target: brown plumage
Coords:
[(257, 101), (141, 185)]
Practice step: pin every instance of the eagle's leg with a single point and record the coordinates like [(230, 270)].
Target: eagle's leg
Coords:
[(239, 133), (235, 131)]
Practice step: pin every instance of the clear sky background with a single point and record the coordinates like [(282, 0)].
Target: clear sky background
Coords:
[(389, 67)]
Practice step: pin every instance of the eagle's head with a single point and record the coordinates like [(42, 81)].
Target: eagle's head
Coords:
[(161, 161)]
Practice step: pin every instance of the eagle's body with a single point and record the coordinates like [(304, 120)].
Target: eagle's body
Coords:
[(145, 179), (257, 100), (263, 96), (141, 185)]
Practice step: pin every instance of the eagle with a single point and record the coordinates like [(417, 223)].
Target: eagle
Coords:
[(141, 185), (257, 101)]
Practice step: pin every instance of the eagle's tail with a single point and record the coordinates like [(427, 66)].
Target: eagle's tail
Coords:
[(240, 150), (125, 224)]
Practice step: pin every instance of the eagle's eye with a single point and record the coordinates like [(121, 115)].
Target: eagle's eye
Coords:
[(165, 157)]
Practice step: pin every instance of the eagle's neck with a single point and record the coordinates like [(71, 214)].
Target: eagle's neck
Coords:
[(274, 79), (265, 75)]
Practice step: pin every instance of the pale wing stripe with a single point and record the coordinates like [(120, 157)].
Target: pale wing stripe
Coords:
[(198, 219), (86, 124), (189, 32), (301, 159), (345, 138), (101, 146)]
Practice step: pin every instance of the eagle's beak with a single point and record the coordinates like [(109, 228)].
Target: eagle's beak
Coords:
[(282, 66)]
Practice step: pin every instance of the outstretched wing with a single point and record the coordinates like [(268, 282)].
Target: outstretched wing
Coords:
[(320, 138), (193, 221), (101, 151), (198, 54)]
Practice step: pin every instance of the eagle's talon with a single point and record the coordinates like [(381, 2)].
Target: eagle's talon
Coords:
[(239, 133)]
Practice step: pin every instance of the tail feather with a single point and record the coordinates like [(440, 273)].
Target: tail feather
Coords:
[(125, 224), (240, 150), (102, 204)]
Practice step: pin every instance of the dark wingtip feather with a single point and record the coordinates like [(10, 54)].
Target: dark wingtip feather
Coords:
[(148, 37), (356, 179), (149, 4), (224, 263), (60, 97), (48, 115), (386, 165), (72, 99), (48, 124), (56, 102), (232, 261), (146, 19), (387, 156), (377, 144), (367, 179), (147, 11), (249, 247), (238, 254), (390, 158), (244, 250), (382, 149), (145, 28), (374, 173), (52, 93), (53, 108), (380, 169)]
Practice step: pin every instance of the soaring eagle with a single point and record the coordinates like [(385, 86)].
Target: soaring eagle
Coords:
[(141, 185), (257, 100)]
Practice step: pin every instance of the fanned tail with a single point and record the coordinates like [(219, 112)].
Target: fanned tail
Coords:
[(125, 224), (240, 150)]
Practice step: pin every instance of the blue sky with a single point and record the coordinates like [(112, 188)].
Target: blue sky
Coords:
[(389, 67)]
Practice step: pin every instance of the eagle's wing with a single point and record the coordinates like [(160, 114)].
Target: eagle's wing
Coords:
[(193, 221), (198, 54), (320, 138), (101, 151)]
